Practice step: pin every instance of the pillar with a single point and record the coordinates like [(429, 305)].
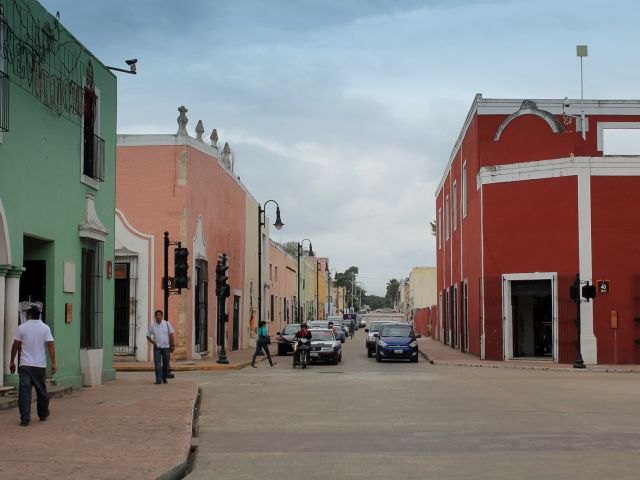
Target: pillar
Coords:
[(3, 274), (11, 313)]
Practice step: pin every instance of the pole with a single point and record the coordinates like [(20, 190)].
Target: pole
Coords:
[(259, 265), (317, 289), (329, 292), (165, 278), (579, 363), (584, 126), (298, 305)]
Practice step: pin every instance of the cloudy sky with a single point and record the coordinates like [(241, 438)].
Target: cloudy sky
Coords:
[(345, 111)]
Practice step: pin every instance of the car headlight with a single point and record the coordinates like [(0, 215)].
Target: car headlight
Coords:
[(382, 344), (336, 344), (414, 344)]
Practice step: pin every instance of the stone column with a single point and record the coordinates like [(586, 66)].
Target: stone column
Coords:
[(3, 273), (11, 313)]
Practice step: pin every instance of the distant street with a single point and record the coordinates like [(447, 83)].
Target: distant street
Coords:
[(361, 419)]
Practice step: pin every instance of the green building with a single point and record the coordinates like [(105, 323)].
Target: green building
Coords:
[(57, 191)]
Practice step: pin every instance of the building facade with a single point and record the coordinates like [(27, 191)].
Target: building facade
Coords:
[(57, 191), (282, 287), (186, 187), (528, 200)]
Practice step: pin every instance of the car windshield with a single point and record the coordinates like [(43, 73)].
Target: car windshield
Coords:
[(376, 326), (322, 335), (318, 324), (396, 331), (291, 329)]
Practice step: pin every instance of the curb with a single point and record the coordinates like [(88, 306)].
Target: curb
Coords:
[(426, 356), (526, 367), (182, 469), (182, 368), (7, 402)]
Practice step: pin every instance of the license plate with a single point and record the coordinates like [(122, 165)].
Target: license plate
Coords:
[(314, 354), (398, 352)]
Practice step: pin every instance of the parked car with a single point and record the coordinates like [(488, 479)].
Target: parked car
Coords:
[(340, 332), (396, 341), (325, 346), (285, 338), (372, 333)]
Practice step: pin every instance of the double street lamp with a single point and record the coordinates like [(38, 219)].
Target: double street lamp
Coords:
[(262, 221), (300, 244)]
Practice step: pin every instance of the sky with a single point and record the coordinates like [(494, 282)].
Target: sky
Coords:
[(345, 111)]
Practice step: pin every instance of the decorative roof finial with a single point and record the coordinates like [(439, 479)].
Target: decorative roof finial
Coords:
[(226, 156), (214, 139), (199, 131), (182, 121)]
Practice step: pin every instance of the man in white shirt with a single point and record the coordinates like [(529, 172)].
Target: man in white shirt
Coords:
[(30, 340), (160, 335)]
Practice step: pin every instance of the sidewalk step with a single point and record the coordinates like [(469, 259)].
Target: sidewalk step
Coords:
[(10, 399)]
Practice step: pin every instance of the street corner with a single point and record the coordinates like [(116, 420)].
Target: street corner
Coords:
[(138, 430)]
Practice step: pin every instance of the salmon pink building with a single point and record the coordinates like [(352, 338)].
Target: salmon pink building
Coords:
[(182, 185), (528, 200)]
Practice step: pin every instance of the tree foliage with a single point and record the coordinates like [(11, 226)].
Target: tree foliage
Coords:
[(393, 286)]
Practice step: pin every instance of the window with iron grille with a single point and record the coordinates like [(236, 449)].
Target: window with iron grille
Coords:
[(91, 294), (93, 145)]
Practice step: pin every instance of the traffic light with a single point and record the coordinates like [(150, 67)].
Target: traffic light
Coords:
[(181, 268), (222, 287)]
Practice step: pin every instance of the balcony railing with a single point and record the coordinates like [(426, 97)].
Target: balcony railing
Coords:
[(4, 102), (94, 157)]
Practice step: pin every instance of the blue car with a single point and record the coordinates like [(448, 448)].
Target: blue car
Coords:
[(396, 341)]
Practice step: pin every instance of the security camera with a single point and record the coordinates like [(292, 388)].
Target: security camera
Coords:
[(132, 64), (566, 102)]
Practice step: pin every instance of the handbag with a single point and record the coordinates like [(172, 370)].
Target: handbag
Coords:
[(265, 340)]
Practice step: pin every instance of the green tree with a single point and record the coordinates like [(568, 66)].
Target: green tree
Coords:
[(393, 286), (374, 301)]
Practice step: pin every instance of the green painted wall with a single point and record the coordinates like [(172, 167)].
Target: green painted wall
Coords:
[(43, 197)]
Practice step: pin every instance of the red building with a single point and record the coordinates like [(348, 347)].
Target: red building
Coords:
[(528, 200)]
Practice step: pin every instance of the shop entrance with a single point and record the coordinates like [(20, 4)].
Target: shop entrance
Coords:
[(531, 304), (33, 281), (530, 316)]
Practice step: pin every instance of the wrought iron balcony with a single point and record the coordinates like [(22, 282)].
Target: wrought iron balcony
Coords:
[(94, 157), (4, 102)]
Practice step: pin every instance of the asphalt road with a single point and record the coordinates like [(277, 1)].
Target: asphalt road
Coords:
[(361, 419)]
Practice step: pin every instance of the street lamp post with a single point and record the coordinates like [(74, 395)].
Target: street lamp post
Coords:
[(262, 220), (329, 289), (317, 289), (299, 255)]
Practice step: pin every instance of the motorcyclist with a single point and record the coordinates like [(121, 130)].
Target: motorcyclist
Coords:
[(304, 332)]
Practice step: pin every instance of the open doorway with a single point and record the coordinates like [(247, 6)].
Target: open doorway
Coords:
[(532, 314), (33, 281)]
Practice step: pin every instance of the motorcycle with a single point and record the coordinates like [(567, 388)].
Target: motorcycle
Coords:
[(301, 352)]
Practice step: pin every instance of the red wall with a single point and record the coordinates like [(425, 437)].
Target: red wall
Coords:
[(615, 227)]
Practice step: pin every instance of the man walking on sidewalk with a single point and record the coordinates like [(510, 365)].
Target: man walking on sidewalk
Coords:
[(160, 335), (30, 340)]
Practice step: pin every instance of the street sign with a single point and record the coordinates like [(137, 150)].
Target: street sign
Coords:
[(603, 287)]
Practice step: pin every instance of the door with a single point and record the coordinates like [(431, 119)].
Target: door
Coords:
[(201, 313), (236, 323), (33, 283), (122, 304)]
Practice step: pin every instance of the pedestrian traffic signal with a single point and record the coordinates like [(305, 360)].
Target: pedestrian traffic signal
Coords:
[(589, 291), (181, 268)]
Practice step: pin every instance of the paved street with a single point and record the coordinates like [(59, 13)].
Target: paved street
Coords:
[(361, 419)]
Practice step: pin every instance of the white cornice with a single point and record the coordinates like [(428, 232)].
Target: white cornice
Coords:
[(618, 166)]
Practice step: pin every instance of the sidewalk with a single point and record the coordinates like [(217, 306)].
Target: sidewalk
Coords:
[(237, 360), (439, 354), (122, 429)]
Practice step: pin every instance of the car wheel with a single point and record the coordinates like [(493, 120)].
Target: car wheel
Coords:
[(369, 353), (340, 357), (414, 360), (378, 357), (281, 352)]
